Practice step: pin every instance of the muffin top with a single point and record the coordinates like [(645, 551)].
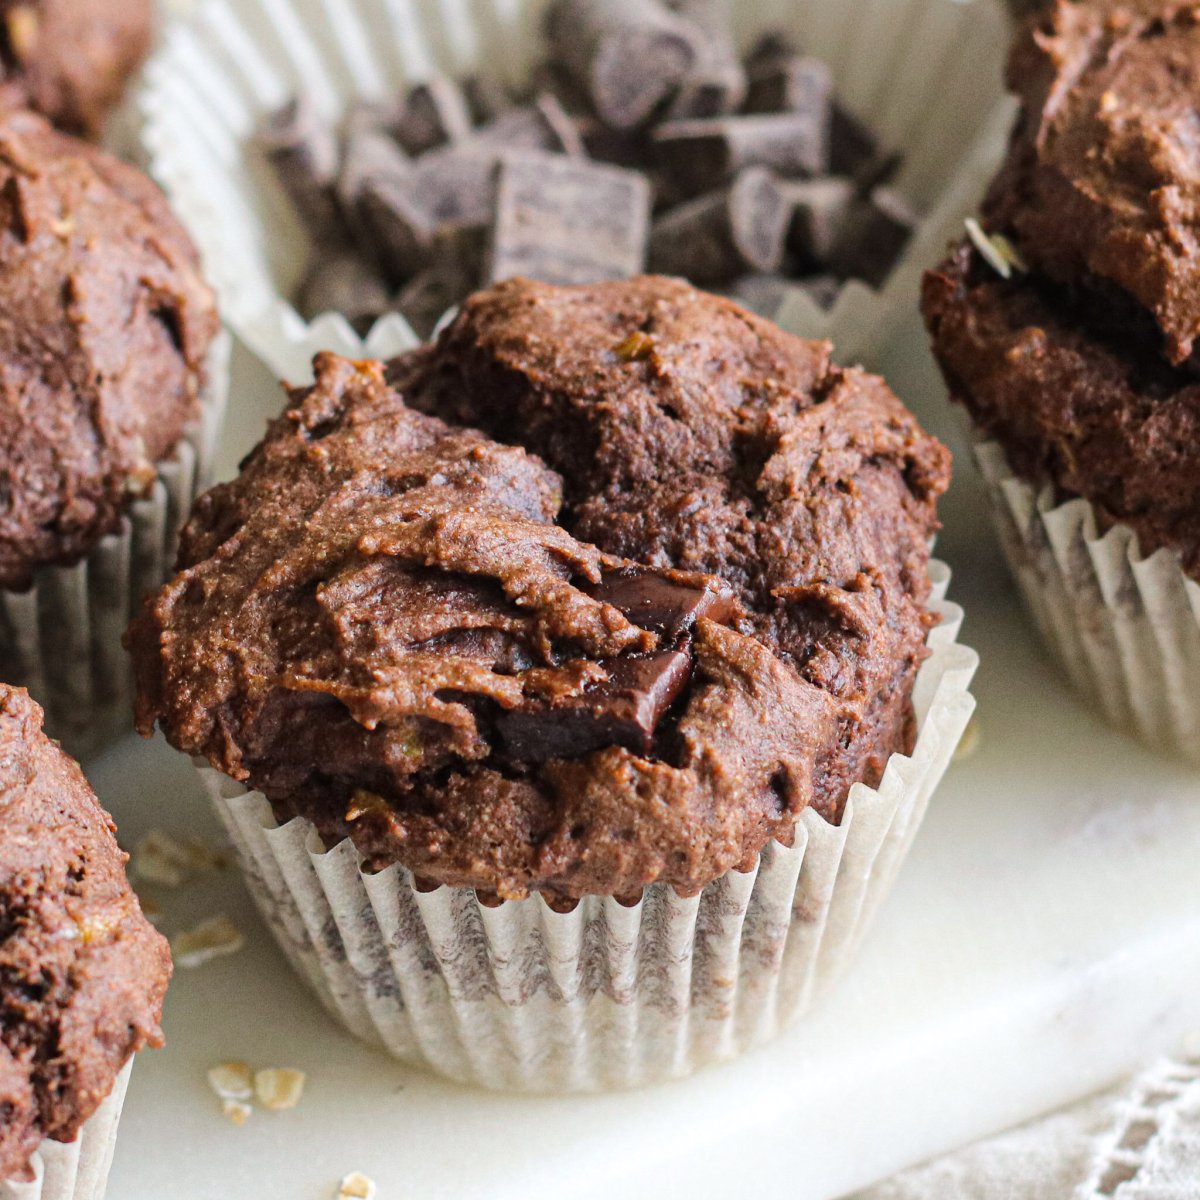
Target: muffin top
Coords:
[(678, 599), (82, 972), (104, 326), (1097, 415), (1102, 184), (72, 61)]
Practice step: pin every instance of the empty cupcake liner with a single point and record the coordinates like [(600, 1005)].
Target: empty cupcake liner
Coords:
[(925, 74), (76, 1170), (61, 639), (524, 998), (1125, 629)]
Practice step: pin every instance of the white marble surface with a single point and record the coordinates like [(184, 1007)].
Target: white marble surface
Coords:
[(1044, 939)]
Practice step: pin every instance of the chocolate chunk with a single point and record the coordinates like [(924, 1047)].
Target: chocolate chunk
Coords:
[(369, 155), (630, 54), (704, 154), (369, 116), (456, 268), (435, 112), (852, 145), (666, 606), (773, 46), (455, 185), (342, 282), (716, 83), (822, 290), (820, 208), (542, 125), (567, 220), (722, 235), (793, 84), (873, 236), (302, 149), (623, 710), (397, 225), (486, 97)]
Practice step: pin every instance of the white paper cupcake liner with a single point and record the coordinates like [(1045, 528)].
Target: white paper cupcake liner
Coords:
[(61, 639), (76, 1170), (925, 74), (521, 997), (1125, 629)]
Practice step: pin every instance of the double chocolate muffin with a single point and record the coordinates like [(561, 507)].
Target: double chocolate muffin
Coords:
[(72, 61), (601, 589), (82, 973), (105, 323)]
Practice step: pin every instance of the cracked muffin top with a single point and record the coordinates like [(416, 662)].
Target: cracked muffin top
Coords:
[(105, 322), (72, 61), (1101, 187), (602, 588), (82, 972)]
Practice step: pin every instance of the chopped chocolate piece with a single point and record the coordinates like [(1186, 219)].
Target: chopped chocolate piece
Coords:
[(302, 149), (819, 210), (772, 47), (760, 292), (716, 84), (542, 125), (722, 235), (792, 84), (435, 113), (873, 236), (667, 606), (400, 227), (369, 155), (456, 268), (631, 55), (852, 145), (622, 710), (704, 154), (567, 220), (342, 282), (822, 290), (455, 185), (486, 97)]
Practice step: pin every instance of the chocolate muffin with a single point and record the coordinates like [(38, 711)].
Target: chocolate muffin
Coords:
[(1096, 416), (644, 578), (105, 322), (1102, 185), (82, 973), (72, 61)]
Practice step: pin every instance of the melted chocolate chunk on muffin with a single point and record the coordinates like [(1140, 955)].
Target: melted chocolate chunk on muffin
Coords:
[(1102, 183), (72, 61), (635, 658), (82, 972), (1104, 419), (104, 326)]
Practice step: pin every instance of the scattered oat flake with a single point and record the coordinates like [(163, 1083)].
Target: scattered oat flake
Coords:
[(210, 939), (236, 1111), (356, 1186), (279, 1087), (232, 1080), (969, 742), (1000, 254)]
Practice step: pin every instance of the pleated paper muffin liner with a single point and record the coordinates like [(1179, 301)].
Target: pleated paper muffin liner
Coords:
[(76, 1170), (521, 997), (1124, 628), (61, 639), (925, 74)]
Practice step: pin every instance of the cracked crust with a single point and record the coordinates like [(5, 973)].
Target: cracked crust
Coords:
[(82, 972), (104, 326), (361, 611)]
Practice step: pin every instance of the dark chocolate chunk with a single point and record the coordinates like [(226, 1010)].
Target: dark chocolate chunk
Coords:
[(455, 185), (303, 151), (704, 154), (456, 268), (773, 46), (630, 55), (716, 83), (822, 290), (542, 125), (623, 710), (399, 227), (717, 237), (852, 145), (666, 606), (369, 155), (820, 208), (435, 112), (342, 282), (874, 234), (567, 220), (793, 84), (486, 97)]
